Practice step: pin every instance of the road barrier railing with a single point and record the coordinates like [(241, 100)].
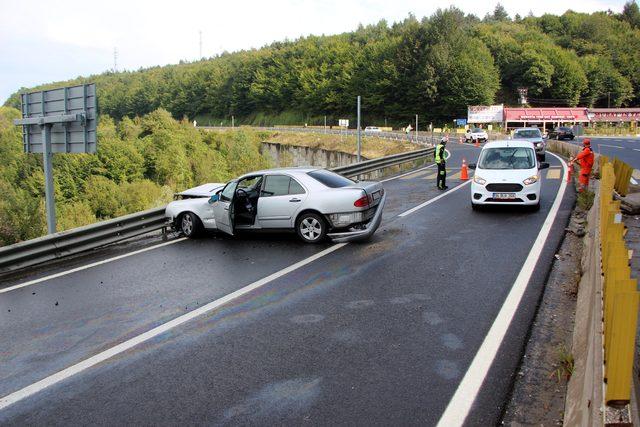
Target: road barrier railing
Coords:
[(82, 239), (69, 242), (620, 296)]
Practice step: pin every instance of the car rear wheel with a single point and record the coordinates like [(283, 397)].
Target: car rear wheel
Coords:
[(311, 228), (190, 225)]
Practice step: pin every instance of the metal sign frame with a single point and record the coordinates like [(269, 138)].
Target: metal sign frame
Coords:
[(62, 120)]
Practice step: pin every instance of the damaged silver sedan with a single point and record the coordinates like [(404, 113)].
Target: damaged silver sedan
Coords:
[(315, 203)]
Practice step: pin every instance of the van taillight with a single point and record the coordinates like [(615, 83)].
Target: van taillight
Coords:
[(362, 202)]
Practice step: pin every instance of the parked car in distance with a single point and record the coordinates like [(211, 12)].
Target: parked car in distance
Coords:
[(372, 129), (562, 132), (507, 173), (534, 136), (476, 134), (315, 203)]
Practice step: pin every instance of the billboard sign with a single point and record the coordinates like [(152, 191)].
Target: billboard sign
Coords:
[(343, 123), (461, 122), (69, 112), (485, 113)]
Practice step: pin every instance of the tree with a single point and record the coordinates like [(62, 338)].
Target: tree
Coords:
[(499, 14), (631, 13)]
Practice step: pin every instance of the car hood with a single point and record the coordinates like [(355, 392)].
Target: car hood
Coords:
[(506, 175), (204, 190), (478, 133)]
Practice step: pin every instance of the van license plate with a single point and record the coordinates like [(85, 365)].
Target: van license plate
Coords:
[(504, 195)]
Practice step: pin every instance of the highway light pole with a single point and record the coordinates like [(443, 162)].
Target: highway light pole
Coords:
[(359, 139), (416, 128)]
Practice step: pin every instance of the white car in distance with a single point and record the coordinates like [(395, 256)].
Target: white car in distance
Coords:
[(476, 134), (372, 129), (507, 173)]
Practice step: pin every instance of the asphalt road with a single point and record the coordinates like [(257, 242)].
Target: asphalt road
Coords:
[(625, 148), (374, 333)]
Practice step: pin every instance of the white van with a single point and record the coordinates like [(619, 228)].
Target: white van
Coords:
[(507, 173)]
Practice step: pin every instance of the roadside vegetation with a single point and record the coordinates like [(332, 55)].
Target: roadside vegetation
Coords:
[(372, 147), (139, 164), (435, 67)]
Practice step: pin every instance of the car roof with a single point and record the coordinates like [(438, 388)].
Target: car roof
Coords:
[(508, 143), (293, 171), (531, 128)]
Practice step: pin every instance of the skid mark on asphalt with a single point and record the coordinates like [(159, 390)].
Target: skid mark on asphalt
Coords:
[(447, 369), (452, 341), (432, 318), (276, 400), (307, 318), (360, 304)]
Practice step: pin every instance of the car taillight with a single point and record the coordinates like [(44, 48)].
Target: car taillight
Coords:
[(362, 202)]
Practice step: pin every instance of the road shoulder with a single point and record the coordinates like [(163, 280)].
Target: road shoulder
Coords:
[(538, 394)]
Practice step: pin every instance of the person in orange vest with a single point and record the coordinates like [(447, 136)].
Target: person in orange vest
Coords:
[(585, 160)]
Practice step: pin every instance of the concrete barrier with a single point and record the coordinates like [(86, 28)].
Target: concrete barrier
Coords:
[(583, 406)]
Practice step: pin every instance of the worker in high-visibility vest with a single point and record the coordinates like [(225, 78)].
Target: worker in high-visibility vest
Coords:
[(442, 164), (585, 159)]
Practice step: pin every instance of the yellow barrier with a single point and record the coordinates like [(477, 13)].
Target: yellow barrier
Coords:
[(620, 295)]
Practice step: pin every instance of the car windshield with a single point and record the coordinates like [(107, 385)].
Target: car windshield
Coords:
[(477, 130), (527, 133), (507, 158), (564, 129), (330, 179)]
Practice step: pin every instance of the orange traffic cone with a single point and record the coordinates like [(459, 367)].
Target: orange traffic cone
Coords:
[(477, 143), (569, 172), (464, 173), (461, 140)]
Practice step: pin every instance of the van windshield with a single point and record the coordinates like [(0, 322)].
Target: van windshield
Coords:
[(507, 158)]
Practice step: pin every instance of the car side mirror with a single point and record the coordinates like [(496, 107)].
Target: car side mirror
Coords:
[(543, 165), (214, 198), (472, 166)]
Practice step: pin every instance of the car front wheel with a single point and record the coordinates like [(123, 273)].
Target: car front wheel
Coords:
[(311, 228), (190, 225)]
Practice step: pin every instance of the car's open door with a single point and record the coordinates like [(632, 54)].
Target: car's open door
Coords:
[(223, 208)]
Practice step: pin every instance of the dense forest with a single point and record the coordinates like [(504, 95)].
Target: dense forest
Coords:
[(434, 67), (139, 164)]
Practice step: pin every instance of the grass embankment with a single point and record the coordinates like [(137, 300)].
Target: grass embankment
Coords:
[(372, 147)]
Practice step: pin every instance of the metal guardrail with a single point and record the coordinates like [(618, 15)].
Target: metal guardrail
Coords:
[(70, 242), (57, 245)]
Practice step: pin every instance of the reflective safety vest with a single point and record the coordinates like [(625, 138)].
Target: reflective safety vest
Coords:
[(440, 153)]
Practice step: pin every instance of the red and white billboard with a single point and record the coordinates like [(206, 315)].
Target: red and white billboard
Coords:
[(546, 114), (485, 113)]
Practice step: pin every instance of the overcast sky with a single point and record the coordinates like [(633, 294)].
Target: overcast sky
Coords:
[(47, 40)]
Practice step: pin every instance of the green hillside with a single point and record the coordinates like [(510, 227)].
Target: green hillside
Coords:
[(434, 67)]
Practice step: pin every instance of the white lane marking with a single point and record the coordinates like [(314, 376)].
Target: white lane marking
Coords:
[(467, 391), (408, 173), (435, 199), (158, 330), (84, 267), (612, 146), (636, 149)]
